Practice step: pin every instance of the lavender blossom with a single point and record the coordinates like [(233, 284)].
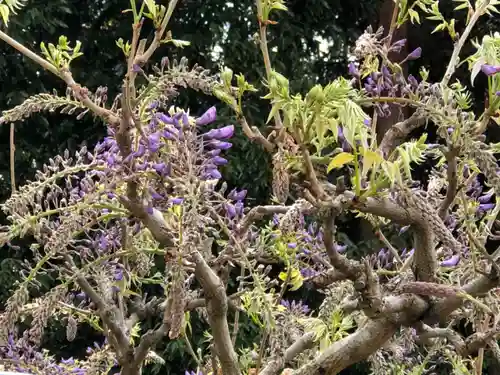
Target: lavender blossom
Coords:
[(353, 70), (485, 207), (490, 70), (176, 201), (208, 117), (451, 262), (221, 133), (415, 54), (219, 144)]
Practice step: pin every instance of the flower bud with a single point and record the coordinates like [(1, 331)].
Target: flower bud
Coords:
[(227, 76), (490, 70), (353, 70), (221, 133), (239, 208), (451, 262), (176, 201), (208, 117), (219, 144), (230, 210), (219, 160), (415, 54)]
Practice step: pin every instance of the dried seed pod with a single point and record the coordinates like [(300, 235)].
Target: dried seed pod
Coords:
[(71, 329), (281, 178)]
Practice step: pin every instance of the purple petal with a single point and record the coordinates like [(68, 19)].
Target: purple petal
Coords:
[(451, 262), (165, 119), (415, 54), (208, 117), (486, 198), (239, 208), (340, 248), (486, 207), (230, 210), (353, 70), (222, 133), (214, 174), (490, 70), (141, 149), (213, 153), (176, 201), (218, 160), (219, 144)]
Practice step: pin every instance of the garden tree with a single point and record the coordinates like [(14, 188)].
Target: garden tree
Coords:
[(152, 191), (205, 25)]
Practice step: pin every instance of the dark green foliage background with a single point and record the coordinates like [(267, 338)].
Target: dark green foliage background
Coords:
[(205, 24)]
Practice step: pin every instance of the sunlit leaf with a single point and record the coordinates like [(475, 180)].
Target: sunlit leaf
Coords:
[(340, 160)]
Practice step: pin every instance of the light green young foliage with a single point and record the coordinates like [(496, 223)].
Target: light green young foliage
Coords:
[(61, 55), (10, 6)]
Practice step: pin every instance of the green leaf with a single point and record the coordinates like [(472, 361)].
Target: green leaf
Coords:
[(414, 16), (4, 12), (370, 159), (180, 43), (151, 7), (405, 160), (462, 6), (340, 160), (274, 110), (439, 27)]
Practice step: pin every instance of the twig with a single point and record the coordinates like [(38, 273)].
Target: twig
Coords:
[(237, 313), (12, 159), (391, 248), (393, 24), (451, 191), (257, 213), (425, 332), (485, 253), (459, 45), (267, 59), (253, 133), (148, 340), (398, 132), (65, 75), (105, 311), (479, 360), (318, 191), (192, 352), (142, 58), (303, 343), (347, 267), (267, 333)]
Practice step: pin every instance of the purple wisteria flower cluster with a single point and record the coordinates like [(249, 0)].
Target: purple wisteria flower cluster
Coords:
[(20, 356), (175, 165)]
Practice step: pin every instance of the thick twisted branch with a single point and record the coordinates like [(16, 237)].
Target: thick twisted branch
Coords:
[(275, 365), (217, 305)]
